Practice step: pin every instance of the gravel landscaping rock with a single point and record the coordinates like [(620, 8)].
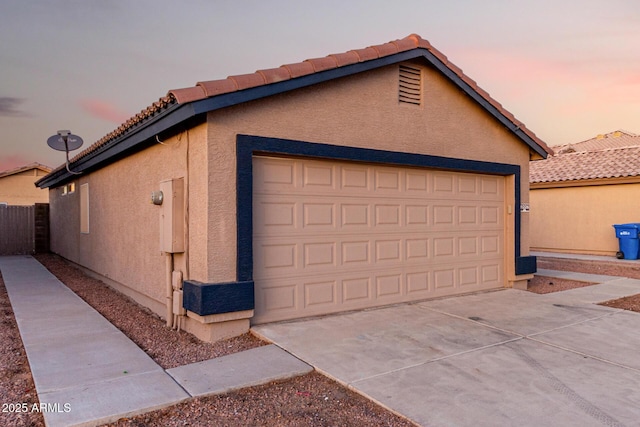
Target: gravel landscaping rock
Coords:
[(167, 347), (545, 285)]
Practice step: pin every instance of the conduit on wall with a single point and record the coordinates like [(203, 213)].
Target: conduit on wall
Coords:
[(173, 220)]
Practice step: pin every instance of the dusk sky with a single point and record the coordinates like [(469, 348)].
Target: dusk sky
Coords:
[(568, 69)]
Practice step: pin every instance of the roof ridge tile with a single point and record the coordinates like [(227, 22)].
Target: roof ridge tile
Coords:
[(419, 41), (366, 54), (385, 49), (274, 75), (299, 69), (246, 81), (187, 94), (405, 44), (346, 58), (323, 64), (217, 87)]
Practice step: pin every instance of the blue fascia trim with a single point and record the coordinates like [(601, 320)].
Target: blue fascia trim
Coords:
[(471, 92), (136, 138), (234, 98), (247, 146), (173, 116), (252, 94)]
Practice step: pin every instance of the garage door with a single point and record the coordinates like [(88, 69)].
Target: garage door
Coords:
[(331, 236)]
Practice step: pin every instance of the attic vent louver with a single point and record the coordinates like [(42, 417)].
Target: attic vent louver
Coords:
[(409, 89)]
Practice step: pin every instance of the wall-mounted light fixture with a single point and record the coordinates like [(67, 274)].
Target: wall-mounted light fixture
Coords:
[(157, 197)]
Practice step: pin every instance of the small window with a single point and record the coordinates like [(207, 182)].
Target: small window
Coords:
[(68, 189), (4, 204), (84, 208)]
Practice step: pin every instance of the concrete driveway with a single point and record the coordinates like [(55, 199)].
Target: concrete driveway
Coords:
[(507, 358)]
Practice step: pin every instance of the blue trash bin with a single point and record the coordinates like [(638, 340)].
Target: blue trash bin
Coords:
[(627, 235)]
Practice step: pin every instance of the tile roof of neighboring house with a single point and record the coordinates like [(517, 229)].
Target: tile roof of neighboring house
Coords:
[(616, 139), (25, 168), (214, 88), (616, 155)]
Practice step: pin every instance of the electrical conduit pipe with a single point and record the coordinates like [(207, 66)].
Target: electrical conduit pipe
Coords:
[(169, 288)]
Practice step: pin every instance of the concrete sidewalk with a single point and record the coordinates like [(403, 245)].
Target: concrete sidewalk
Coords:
[(89, 373), (507, 358)]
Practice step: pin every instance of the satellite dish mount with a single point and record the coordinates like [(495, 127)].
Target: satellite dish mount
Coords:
[(65, 141)]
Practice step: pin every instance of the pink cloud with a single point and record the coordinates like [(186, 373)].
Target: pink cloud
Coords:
[(104, 110), (516, 67), (13, 162)]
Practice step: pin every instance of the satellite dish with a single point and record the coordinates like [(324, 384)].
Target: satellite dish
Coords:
[(65, 141), (68, 142)]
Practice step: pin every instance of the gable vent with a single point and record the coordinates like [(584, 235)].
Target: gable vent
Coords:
[(409, 89)]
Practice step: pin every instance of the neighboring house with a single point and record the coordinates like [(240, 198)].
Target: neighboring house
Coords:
[(578, 194), (371, 177), (17, 186)]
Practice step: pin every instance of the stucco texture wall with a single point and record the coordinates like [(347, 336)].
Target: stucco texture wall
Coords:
[(359, 111), (580, 219), (19, 189), (123, 243)]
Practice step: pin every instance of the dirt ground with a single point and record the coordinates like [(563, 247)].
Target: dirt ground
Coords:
[(308, 400), (545, 285)]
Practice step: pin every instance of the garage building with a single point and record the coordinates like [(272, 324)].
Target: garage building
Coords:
[(365, 178)]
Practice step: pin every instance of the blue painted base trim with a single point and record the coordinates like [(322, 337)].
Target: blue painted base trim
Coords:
[(216, 298), (526, 265)]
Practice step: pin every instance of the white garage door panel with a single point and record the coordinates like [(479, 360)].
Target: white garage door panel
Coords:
[(332, 236)]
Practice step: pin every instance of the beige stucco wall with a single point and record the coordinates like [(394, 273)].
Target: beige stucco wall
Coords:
[(360, 111), (579, 219), (123, 243), (19, 189)]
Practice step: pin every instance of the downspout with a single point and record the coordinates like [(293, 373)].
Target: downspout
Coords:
[(169, 287), (180, 315), (173, 286)]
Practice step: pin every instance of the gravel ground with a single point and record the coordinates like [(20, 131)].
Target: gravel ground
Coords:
[(308, 400), (545, 285), (166, 346)]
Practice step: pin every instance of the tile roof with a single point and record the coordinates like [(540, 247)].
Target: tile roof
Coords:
[(207, 89), (154, 109), (616, 139), (25, 168), (590, 160)]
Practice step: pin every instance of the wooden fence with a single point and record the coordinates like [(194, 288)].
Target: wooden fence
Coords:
[(24, 229)]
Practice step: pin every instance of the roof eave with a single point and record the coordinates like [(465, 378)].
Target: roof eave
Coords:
[(585, 182), (135, 139), (26, 168), (173, 116), (485, 103)]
